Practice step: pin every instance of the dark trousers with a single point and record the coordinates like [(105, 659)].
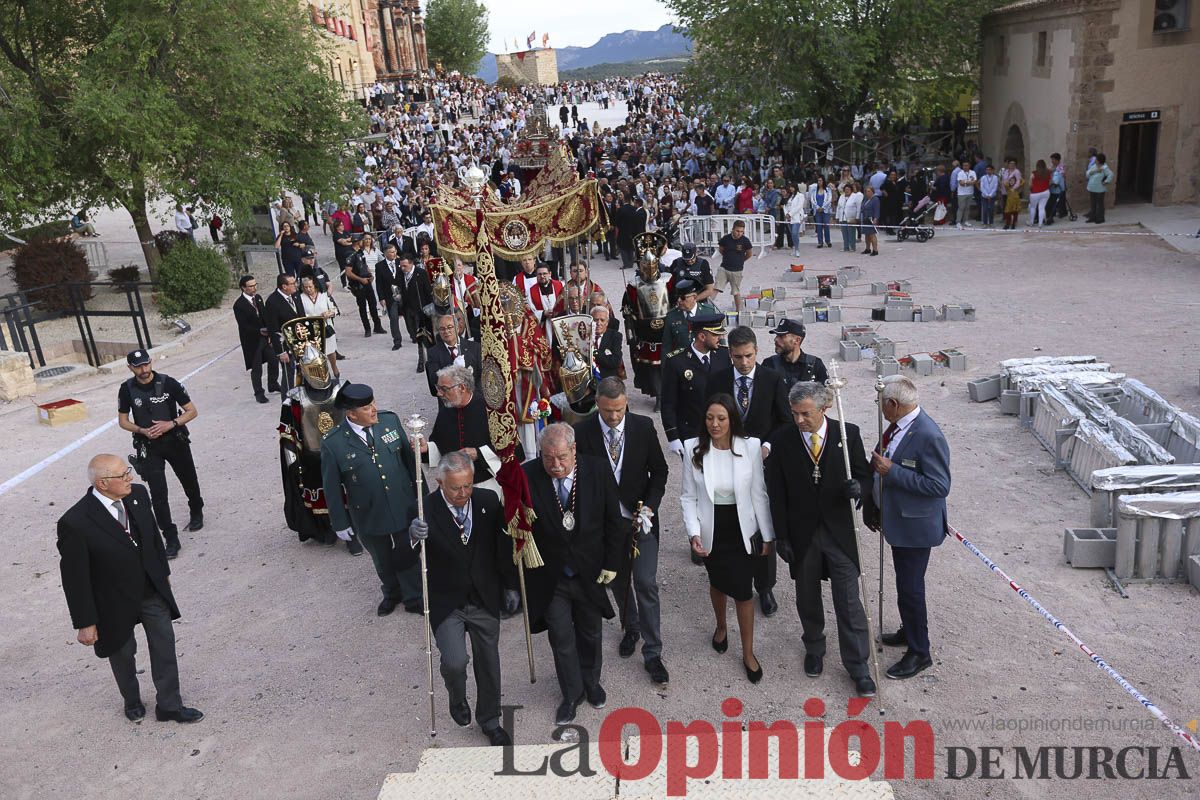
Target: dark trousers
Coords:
[(824, 555), (627, 258), (394, 314), (399, 583), (910, 564), (575, 629), (1097, 199), (639, 604), (765, 573), (170, 449), (263, 355), (155, 617), (366, 305), (484, 630)]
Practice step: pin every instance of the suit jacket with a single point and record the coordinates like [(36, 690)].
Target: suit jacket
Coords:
[(768, 399), (418, 294), (753, 507), (376, 496), (385, 278), (250, 321), (438, 356), (600, 540), (484, 563), (685, 391), (799, 505), (608, 354), (916, 487), (278, 310), (103, 574), (643, 466)]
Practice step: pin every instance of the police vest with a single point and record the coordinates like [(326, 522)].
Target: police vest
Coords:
[(152, 403)]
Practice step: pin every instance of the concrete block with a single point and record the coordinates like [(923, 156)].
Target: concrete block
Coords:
[(850, 272), (792, 277), (879, 288), (952, 313), (927, 314), (766, 303), (835, 314), (826, 313), (780, 293), (16, 376), (744, 319), (833, 291), (921, 363), (968, 312), (1090, 547), (808, 315), (884, 346), (955, 359), (1010, 402), (849, 351), (983, 389), (1193, 572), (886, 366), (1127, 540), (858, 333), (897, 313)]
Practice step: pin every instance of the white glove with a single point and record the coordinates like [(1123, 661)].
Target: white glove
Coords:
[(606, 576), (418, 530), (676, 447), (643, 520), (345, 534)]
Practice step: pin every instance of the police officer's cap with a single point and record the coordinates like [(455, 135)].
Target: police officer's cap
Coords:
[(309, 253), (685, 287), (355, 395), (789, 326), (137, 358), (688, 250), (711, 322)]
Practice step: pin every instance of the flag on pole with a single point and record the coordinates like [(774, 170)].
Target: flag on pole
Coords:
[(545, 40), (530, 39), (516, 44)]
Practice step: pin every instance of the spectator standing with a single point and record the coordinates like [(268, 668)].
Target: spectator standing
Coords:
[(1039, 193), (967, 181), (1010, 186), (1099, 176), (989, 187), (822, 203), (794, 212), (849, 207), (183, 222), (735, 248), (870, 220), (1057, 207)]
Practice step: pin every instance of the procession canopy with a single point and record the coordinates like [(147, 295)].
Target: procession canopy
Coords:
[(557, 205)]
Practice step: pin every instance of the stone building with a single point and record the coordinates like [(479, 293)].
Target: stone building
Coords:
[(346, 37), (1118, 75), (397, 38), (539, 67)]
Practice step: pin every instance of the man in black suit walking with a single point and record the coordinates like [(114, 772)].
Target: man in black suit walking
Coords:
[(469, 559), (582, 538), (450, 349), (761, 399), (249, 311), (387, 276), (608, 350), (115, 575), (415, 294), (283, 305), (811, 507), (628, 443)]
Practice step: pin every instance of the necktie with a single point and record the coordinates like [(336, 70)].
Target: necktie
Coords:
[(814, 446), (453, 352), (370, 440), (743, 396), (614, 445), (122, 518), (564, 496), (704, 361), (888, 435)]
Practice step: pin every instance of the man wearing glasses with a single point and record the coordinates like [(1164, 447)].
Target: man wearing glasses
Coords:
[(249, 311), (450, 349), (115, 575), (461, 424), (283, 305)]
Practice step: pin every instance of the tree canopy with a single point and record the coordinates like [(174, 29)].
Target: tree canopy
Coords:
[(456, 34), (114, 102), (763, 61)]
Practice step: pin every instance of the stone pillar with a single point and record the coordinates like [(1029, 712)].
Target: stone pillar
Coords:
[(406, 63), (16, 376)]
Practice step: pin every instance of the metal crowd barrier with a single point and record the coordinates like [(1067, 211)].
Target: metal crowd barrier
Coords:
[(706, 231)]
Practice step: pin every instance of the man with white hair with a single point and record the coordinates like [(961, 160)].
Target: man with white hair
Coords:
[(461, 425), (912, 481)]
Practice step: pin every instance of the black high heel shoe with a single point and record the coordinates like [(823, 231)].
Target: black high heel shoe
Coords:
[(721, 646), (754, 676)]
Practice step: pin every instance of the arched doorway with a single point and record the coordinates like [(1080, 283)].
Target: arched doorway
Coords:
[(1014, 147)]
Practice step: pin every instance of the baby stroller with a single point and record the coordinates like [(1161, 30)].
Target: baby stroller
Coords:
[(915, 223)]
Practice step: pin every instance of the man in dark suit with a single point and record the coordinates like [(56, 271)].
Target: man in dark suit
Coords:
[(249, 311), (469, 559), (608, 351), (449, 349), (115, 575), (761, 399), (912, 471), (387, 276), (628, 443), (812, 508), (415, 294), (367, 471), (582, 538), (685, 380), (283, 305)]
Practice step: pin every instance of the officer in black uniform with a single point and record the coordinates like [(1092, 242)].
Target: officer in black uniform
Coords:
[(685, 380), (690, 267), (160, 409), (789, 360)]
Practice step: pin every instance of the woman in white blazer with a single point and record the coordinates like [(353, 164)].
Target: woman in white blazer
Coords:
[(728, 518)]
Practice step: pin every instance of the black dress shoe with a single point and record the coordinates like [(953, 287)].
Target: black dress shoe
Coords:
[(658, 673), (262, 398), (895, 639), (136, 712), (395, 347), (341, 357), (181, 714), (596, 696), (421, 367), (172, 546), (814, 665), (414, 607), (753, 675), (864, 686), (354, 547), (498, 737), (461, 713), (379, 329), (196, 522), (722, 645), (565, 713), (275, 388), (909, 665), (386, 606), (628, 644), (766, 600)]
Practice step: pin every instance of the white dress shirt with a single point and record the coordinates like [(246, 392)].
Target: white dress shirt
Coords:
[(358, 429), (616, 468), (107, 503), (902, 426)]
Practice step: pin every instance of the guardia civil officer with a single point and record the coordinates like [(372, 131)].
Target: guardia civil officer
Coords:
[(156, 409)]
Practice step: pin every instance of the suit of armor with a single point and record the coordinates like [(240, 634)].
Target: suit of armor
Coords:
[(645, 307)]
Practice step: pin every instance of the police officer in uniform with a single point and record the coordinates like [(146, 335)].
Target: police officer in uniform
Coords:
[(160, 409), (367, 471), (690, 267), (685, 380), (790, 361), (676, 334)]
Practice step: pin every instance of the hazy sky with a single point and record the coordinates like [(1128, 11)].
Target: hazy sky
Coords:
[(569, 23)]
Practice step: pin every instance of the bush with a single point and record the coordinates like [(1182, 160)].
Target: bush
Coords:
[(126, 274), (47, 230), (43, 268), (191, 278), (165, 241)]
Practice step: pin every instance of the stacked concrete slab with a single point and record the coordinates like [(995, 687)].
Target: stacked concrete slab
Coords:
[(1157, 536)]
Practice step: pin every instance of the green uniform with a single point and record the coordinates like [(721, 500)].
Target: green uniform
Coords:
[(676, 335)]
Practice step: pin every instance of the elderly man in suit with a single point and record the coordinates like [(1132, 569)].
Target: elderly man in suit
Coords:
[(283, 305), (761, 399), (249, 311), (115, 575), (469, 558), (608, 353), (628, 443), (582, 538), (811, 504), (368, 473), (912, 471), (450, 348)]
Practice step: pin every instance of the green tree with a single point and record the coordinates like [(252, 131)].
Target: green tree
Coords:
[(116, 102), (456, 33), (771, 60)]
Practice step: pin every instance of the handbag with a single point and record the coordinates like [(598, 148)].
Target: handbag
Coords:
[(756, 544)]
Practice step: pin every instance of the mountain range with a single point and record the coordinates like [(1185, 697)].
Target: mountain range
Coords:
[(613, 48)]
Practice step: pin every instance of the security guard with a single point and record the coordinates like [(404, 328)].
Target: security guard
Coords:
[(368, 469), (676, 335), (789, 360), (690, 267), (685, 380), (160, 437)]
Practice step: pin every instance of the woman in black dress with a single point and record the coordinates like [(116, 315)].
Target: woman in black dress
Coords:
[(728, 518)]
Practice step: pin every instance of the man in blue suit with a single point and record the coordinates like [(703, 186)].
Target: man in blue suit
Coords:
[(912, 470)]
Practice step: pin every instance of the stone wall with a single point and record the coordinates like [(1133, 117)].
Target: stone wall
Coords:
[(539, 67)]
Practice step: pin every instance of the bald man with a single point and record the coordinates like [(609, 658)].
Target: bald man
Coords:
[(115, 575)]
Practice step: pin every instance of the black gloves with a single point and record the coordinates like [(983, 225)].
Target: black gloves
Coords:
[(852, 490)]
